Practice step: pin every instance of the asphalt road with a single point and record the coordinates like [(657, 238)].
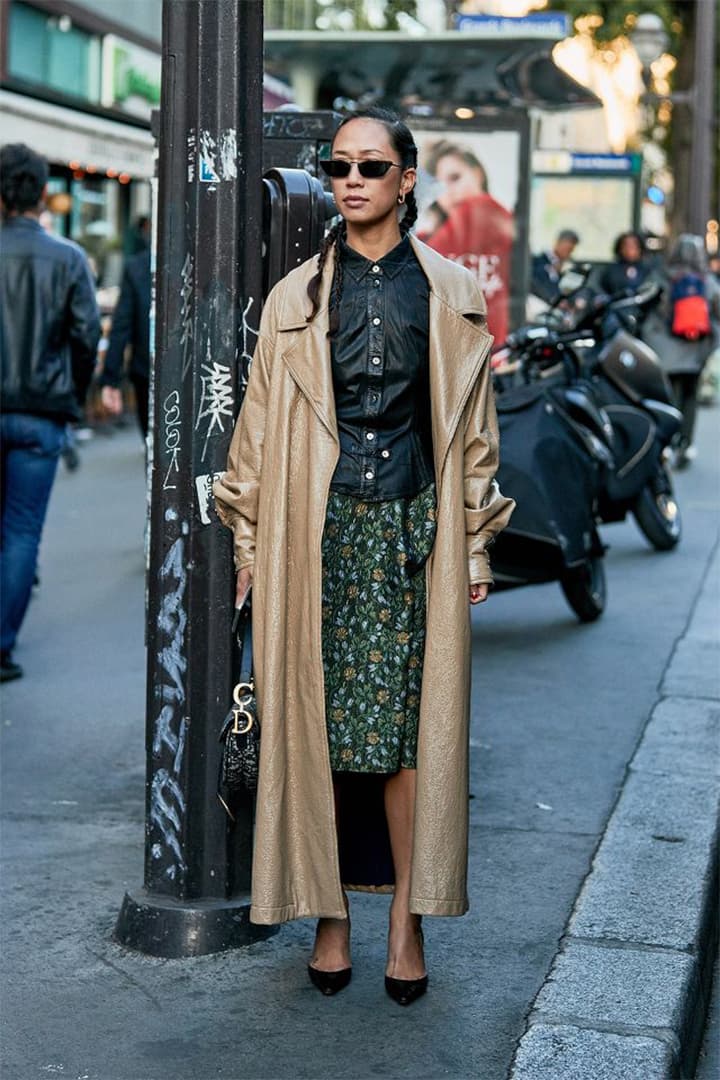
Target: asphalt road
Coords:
[(557, 711)]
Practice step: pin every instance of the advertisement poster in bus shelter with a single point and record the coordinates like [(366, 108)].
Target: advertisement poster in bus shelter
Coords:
[(473, 208)]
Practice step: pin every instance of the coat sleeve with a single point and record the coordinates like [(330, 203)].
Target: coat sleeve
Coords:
[(487, 510), (237, 491), (83, 327)]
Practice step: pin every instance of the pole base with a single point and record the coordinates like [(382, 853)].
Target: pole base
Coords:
[(161, 926)]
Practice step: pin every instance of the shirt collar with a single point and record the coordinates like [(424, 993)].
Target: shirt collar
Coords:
[(23, 221), (391, 264)]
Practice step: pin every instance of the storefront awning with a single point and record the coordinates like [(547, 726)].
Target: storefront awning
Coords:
[(444, 71), (63, 135)]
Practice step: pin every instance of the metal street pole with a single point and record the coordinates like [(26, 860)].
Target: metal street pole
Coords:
[(208, 287), (703, 126)]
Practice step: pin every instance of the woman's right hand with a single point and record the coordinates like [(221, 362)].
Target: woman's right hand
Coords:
[(244, 584)]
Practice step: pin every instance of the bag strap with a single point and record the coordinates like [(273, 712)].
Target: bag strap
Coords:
[(243, 636)]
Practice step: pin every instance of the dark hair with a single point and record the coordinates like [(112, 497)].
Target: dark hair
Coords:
[(630, 234), (23, 175), (443, 148), (568, 234), (688, 253), (403, 142)]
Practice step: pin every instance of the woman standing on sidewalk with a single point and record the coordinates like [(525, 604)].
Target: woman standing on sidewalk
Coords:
[(361, 497)]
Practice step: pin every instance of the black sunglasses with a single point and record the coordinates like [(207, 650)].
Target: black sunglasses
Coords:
[(338, 168)]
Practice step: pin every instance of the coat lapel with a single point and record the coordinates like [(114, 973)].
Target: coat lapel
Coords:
[(306, 348), (459, 344)]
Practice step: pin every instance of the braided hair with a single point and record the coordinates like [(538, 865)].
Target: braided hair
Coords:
[(403, 142)]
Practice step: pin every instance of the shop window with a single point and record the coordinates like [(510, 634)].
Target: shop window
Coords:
[(50, 51), (54, 216), (96, 222)]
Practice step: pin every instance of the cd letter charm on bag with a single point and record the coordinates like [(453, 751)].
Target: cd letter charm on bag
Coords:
[(243, 697)]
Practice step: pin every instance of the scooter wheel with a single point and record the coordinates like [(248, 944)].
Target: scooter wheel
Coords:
[(585, 590), (658, 515)]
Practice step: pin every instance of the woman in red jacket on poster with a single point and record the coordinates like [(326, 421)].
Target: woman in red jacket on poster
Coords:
[(469, 226)]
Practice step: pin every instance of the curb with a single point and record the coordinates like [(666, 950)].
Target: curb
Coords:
[(628, 991)]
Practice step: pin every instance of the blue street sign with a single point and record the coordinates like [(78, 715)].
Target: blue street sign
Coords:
[(606, 163), (544, 24)]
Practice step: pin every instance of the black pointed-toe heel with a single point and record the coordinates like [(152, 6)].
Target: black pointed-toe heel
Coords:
[(329, 982), (405, 991)]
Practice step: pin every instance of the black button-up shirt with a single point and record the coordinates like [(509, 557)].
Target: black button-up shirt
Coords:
[(381, 376)]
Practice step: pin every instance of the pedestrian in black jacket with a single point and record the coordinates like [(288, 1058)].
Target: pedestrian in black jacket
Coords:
[(130, 326), (49, 330), (630, 268), (547, 266)]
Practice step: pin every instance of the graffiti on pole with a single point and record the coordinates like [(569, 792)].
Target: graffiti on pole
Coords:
[(288, 125), (248, 338), (167, 801), (191, 155), (216, 399), (187, 288), (172, 436)]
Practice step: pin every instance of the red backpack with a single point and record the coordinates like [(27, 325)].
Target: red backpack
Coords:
[(690, 313)]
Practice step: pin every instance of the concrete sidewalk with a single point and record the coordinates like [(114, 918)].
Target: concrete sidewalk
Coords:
[(628, 992), (559, 710)]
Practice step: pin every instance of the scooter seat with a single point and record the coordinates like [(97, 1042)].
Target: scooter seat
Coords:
[(667, 418)]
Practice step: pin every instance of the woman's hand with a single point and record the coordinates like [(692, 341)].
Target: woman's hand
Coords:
[(244, 583), (478, 593), (112, 401)]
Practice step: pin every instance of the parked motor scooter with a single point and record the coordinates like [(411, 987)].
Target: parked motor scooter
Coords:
[(555, 456), (629, 383)]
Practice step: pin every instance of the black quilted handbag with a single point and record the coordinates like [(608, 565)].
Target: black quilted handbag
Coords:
[(240, 732)]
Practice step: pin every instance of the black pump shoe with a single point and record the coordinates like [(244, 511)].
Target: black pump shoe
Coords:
[(405, 991), (329, 982)]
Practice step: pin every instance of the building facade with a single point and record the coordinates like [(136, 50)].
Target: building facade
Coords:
[(78, 82)]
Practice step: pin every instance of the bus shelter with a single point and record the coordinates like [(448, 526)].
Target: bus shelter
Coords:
[(470, 100)]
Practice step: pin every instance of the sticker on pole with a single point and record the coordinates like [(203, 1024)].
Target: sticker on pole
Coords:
[(207, 172), (205, 498), (218, 157)]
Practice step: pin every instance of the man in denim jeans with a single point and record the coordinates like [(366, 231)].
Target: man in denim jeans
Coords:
[(49, 330)]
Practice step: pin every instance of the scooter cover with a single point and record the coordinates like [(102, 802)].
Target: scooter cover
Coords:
[(552, 477)]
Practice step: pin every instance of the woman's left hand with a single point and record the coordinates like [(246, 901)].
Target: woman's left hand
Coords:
[(478, 593)]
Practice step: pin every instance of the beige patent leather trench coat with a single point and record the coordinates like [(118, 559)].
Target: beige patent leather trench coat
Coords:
[(273, 496)]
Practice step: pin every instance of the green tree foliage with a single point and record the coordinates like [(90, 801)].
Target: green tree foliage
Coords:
[(393, 8), (619, 15), (679, 19)]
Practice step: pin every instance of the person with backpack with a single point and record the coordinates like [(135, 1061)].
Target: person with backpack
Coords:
[(682, 329)]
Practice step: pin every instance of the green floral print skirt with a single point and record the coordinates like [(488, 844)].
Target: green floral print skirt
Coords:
[(373, 620)]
